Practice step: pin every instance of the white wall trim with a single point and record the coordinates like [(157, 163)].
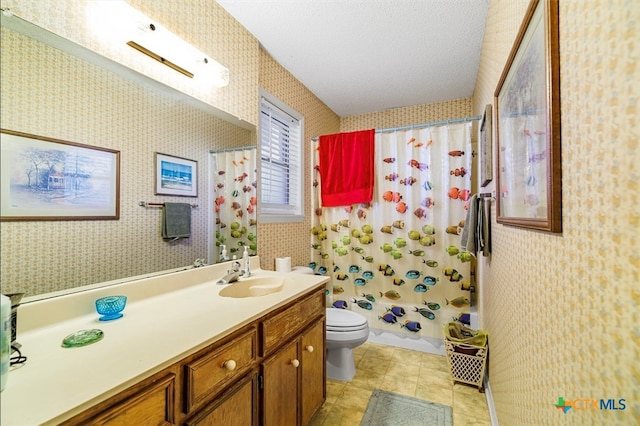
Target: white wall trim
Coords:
[(490, 405)]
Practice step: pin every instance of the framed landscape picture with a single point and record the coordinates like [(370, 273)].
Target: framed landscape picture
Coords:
[(51, 179), (176, 176)]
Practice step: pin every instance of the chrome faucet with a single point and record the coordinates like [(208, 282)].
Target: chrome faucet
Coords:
[(233, 274)]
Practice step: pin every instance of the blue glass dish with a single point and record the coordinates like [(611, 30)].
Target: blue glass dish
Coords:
[(111, 307)]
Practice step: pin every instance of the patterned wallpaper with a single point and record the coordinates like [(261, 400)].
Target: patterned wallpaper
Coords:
[(407, 116), (562, 310), (49, 93), (293, 239)]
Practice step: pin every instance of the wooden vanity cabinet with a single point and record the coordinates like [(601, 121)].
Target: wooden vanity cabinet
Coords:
[(293, 377), (269, 372)]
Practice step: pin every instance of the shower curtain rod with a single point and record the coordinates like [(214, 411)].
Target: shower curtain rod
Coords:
[(240, 148), (418, 126)]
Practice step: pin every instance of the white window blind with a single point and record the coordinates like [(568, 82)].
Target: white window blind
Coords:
[(280, 164)]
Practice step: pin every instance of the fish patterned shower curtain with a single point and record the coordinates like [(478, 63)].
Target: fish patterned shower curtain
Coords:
[(397, 260), (235, 201)]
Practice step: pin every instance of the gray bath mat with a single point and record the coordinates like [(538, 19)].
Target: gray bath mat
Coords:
[(391, 409)]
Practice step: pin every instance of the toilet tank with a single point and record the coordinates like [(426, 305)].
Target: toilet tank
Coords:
[(301, 270)]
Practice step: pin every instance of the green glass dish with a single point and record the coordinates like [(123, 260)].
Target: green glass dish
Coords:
[(82, 338)]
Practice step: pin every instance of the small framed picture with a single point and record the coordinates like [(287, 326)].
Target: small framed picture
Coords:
[(486, 148), (176, 176)]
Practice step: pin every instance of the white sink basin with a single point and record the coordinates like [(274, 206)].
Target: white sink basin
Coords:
[(253, 287)]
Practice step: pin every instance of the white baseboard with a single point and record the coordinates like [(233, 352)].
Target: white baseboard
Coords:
[(492, 408)]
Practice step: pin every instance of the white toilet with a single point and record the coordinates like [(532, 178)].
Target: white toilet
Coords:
[(345, 331)]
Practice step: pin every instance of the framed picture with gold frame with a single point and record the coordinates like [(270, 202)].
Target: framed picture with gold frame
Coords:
[(527, 102), (486, 147)]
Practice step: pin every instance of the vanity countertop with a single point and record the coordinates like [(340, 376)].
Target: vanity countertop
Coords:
[(166, 319)]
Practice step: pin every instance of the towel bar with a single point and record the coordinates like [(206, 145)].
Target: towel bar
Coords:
[(147, 205), (489, 195)]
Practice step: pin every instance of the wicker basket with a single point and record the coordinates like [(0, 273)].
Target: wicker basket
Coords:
[(467, 361)]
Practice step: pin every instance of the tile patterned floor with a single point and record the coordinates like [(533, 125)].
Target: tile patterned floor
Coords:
[(417, 374)]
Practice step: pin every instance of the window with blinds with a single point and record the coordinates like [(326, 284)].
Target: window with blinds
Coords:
[(280, 163)]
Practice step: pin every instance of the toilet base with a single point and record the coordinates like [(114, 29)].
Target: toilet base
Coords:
[(340, 364)]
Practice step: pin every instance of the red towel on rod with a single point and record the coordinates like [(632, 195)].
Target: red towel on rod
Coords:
[(346, 168)]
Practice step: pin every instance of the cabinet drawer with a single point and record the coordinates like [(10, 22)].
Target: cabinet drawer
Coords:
[(280, 327), (207, 375), (150, 402)]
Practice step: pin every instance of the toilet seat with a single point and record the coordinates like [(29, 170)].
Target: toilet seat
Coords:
[(340, 320), (346, 329)]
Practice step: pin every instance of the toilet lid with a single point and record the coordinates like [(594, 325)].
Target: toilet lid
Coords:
[(341, 319)]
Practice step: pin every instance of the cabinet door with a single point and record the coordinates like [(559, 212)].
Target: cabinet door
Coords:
[(280, 395), (312, 366), (236, 407)]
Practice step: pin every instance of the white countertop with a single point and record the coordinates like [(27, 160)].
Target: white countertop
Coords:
[(166, 319)]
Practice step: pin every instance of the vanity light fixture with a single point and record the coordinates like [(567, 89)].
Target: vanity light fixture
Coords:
[(159, 58), (121, 23)]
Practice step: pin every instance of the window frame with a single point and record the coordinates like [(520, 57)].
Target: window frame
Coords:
[(293, 211)]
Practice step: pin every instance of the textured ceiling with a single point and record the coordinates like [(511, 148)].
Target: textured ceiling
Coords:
[(362, 56)]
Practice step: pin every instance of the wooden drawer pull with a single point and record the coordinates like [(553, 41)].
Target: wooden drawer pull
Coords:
[(229, 365), (295, 363), (308, 348)]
